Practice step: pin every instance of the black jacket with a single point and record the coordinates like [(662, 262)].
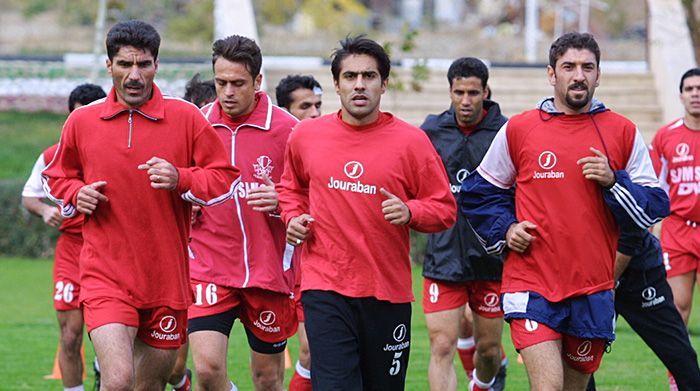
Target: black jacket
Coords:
[(455, 255)]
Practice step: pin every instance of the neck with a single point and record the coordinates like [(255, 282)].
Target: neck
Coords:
[(691, 121), (355, 121)]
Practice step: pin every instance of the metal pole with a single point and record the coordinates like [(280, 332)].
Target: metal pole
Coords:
[(531, 29), (99, 39), (584, 15)]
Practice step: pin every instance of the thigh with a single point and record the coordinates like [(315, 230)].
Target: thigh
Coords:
[(209, 350), (385, 342), (332, 330), (682, 286), (544, 366), (114, 348), (488, 330), (443, 326), (71, 321)]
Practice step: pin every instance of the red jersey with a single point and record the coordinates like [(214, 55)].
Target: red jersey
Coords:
[(576, 236), (135, 246), (333, 171), (233, 245), (673, 154), (35, 188)]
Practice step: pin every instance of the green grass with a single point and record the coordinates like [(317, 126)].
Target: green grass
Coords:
[(25, 136), (30, 335)]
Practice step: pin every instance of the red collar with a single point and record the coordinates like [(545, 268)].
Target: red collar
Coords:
[(153, 109), (260, 117)]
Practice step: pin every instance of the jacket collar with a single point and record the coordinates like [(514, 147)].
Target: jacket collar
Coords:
[(547, 105), (153, 109), (260, 117)]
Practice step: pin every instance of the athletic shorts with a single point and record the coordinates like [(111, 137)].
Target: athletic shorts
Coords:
[(584, 324), (357, 343), (297, 303), (66, 272), (159, 327), (680, 241), (483, 296), (270, 316)]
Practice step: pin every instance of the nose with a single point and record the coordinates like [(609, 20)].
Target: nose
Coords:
[(466, 100), (579, 74), (360, 83), (229, 89), (315, 112), (134, 73)]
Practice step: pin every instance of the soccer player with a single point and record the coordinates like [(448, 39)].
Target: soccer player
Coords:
[(300, 95), (240, 264), (580, 172), (456, 268), (673, 152), (66, 272), (131, 164), (354, 183), (644, 298), (200, 92)]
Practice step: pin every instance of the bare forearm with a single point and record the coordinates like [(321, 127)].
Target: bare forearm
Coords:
[(621, 263), (35, 205)]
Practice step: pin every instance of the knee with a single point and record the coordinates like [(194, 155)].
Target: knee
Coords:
[(269, 378), (71, 339), (118, 380), (305, 357), (209, 373), (442, 345), (489, 350)]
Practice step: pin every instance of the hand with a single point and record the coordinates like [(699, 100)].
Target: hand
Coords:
[(597, 168), (196, 212), (263, 198), (52, 216), (162, 174), (395, 211), (517, 237), (89, 196), (298, 229)]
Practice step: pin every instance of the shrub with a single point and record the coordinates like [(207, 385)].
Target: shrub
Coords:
[(22, 234)]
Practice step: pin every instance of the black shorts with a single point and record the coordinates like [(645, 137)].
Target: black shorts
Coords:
[(223, 323), (357, 343)]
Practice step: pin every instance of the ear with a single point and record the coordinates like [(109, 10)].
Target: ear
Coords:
[(597, 78), (487, 92), (551, 75), (385, 83), (108, 64), (155, 63), (337, 87), (258, 81)]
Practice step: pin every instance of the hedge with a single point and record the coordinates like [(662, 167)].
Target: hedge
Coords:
[(22, 234)]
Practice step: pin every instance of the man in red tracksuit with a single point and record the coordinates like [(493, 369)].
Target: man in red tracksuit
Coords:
[(132, 164), (354, 183), (240, 264)]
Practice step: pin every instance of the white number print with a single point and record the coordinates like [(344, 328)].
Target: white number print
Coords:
[(64, 292), (395, 364), (209, 294), (434, 291)]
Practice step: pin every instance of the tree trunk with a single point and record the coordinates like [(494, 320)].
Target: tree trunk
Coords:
[(694, 26)]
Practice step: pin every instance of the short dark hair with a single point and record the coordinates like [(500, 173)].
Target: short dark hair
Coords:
[(468, 67), (573, 41), (361, 45), (200, 92), (687, 74), (291, 83), (237, 48), (136, 33), (85, 94)]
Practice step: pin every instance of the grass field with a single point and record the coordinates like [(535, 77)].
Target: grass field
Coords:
[(25, 136), (30, 335)]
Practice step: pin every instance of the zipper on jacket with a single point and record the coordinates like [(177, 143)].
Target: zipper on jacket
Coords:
[(131, 127)]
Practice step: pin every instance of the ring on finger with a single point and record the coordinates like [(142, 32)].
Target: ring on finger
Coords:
[(298, 241)]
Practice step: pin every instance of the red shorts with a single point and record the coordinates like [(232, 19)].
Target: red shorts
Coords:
[(583, 355), (297, 303), (271, 316), (160, 327), (66, 272), (680, 241), (483, 296)]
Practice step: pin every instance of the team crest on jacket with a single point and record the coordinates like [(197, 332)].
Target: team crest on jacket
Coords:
[(263, 167)]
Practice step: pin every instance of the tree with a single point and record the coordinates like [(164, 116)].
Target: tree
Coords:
[(691, 16)]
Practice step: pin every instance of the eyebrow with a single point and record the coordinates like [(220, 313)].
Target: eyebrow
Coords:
[(363, 73)]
